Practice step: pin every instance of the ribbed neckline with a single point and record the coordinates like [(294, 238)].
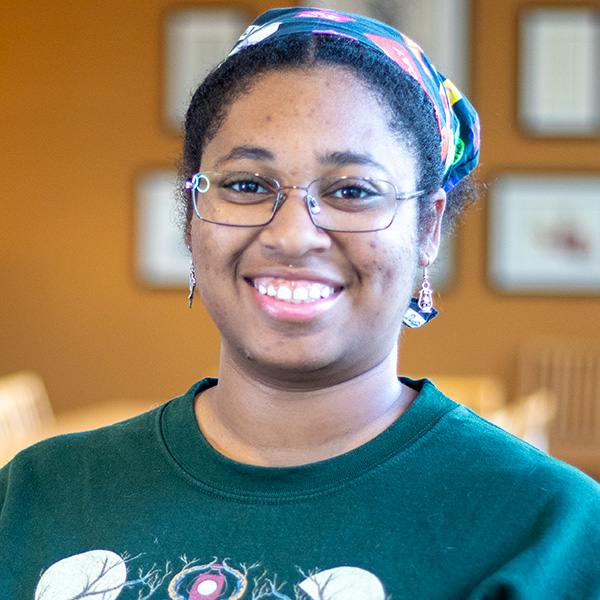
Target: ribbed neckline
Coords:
[(222, 476)]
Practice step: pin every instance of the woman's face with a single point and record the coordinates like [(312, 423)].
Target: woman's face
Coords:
[(297, 126)]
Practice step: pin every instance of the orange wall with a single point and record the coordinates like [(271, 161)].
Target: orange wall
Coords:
[(79, 118)]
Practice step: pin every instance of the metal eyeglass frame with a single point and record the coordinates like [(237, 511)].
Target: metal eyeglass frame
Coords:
[(312, 204)]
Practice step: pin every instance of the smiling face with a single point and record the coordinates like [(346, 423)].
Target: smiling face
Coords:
[(296, 304)]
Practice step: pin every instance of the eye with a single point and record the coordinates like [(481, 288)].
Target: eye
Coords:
[(246, 183), (352, 194), (246, 188), (350, 189)]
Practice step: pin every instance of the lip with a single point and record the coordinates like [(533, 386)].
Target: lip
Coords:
[(288, 311), (280, 309)]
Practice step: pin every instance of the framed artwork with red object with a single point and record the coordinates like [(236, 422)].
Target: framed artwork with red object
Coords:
[(544, 233)]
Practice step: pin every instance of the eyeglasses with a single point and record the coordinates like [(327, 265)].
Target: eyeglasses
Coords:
[(348, 204)]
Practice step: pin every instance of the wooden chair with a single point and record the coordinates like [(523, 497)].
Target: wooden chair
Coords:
[(570, 370), (24, 406)]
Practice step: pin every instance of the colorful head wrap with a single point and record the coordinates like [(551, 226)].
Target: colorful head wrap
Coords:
[(457, 119)]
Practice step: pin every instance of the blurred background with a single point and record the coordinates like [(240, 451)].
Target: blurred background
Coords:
[(82, 119)]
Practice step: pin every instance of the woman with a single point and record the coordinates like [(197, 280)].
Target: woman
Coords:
[(320, 163)]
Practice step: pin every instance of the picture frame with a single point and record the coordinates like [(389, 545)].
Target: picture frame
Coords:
[(440, 27), (559, 71), (196, 39), (544, 233), (161, 257)]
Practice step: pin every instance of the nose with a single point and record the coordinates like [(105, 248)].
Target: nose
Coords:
[(291, 232)]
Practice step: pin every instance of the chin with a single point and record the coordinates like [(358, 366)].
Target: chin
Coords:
[(293, 369), (306, 371)]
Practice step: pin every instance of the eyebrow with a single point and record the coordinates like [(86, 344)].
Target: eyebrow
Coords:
[(343, 159), (335, 159), (248, 153)]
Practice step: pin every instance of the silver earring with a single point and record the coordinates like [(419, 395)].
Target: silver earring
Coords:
[(192, 283), (420, 310), (426, 294)]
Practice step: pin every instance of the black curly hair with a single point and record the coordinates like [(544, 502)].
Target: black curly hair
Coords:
[(411, 112)]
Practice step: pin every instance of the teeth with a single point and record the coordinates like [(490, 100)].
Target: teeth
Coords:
[(314, 292), (284, 293), (300, 294), (296, 292)]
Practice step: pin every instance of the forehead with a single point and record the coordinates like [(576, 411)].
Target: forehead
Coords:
[(321, 85), (301, 114)]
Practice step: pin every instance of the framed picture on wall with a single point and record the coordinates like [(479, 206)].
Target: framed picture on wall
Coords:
[(161, 257), (559, 71), (544, 233), (196, 39)]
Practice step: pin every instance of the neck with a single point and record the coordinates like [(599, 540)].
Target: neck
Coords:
[(259, 422)]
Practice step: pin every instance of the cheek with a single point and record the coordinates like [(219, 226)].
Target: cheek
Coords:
[(209, 256), (217, 252), (394, 260), (392, 270)]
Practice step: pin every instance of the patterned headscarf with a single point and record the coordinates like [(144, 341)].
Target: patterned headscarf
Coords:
[(457, 119)]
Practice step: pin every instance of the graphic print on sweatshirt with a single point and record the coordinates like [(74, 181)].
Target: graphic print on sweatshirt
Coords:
[(104, 575)]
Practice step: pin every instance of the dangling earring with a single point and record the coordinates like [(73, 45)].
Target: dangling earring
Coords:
[(192, 283), (425, 294), (420, 310)]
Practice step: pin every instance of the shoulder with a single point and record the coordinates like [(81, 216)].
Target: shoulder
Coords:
[(67, 456), (484, 454), (114, 452), (114, 443)]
